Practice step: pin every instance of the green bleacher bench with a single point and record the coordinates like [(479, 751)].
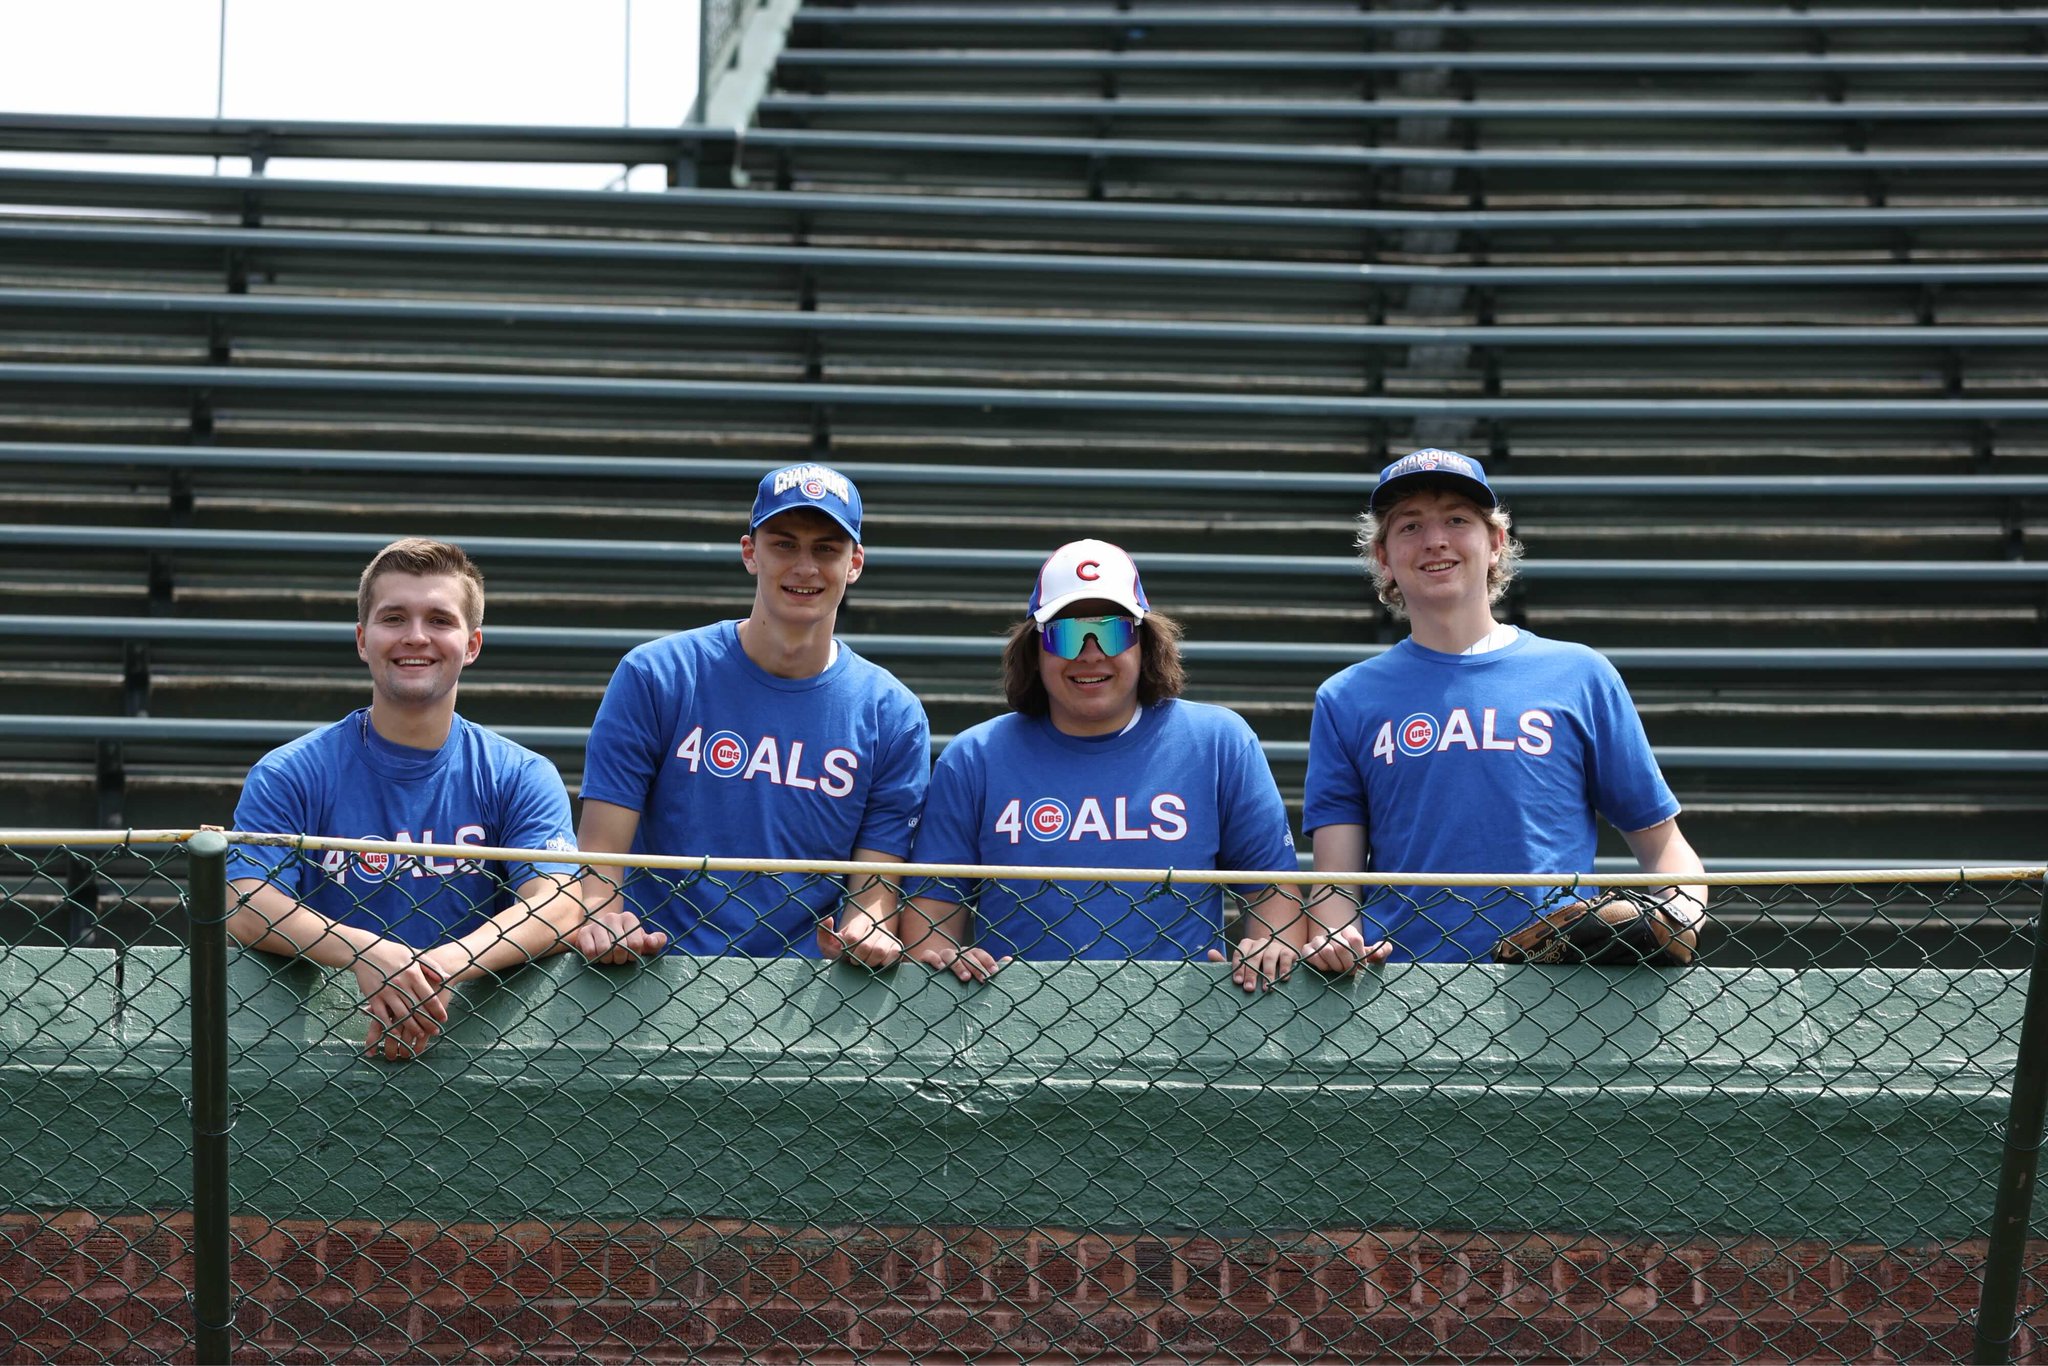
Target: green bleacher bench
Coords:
[(917, 150), (970, 64), (22, 308), (739, 475), (968, 226), (1636, 118), (1019, 564), (1392, 108), (1206, 409), (1344, 19), (274, 246)]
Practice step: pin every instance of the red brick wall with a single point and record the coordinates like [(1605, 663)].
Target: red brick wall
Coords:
[(83, 1288)]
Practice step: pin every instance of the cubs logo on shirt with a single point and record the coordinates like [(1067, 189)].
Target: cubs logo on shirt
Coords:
[(373, 864), (1047, 819), (1418, 734), (725, 753)]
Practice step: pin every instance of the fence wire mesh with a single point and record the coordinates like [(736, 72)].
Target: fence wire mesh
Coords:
[(95, 1173), (1787, 1152), (721, 24)]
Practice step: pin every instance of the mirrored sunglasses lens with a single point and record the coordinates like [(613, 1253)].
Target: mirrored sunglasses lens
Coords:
[(1068, 636)]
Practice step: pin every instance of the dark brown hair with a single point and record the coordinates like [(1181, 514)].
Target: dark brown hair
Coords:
[(418, 555), (1160, 674)]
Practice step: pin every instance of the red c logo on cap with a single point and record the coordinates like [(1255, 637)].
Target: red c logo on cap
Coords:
[(1088, 571)]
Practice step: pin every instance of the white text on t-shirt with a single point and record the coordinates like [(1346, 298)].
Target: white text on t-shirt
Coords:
[(727, 754), (1422, 734), (1047, 819)]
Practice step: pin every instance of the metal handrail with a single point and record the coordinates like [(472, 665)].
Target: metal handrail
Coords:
[(425, 246), (1827, 759), (496, 314), (241, 195)]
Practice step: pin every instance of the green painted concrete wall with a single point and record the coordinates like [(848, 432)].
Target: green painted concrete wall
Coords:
[(1847, 1104)]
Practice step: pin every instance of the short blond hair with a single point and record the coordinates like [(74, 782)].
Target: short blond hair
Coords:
[(418, 555)]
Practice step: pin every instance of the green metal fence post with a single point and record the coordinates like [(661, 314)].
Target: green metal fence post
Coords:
[(212, 1314), (1998, 1304)]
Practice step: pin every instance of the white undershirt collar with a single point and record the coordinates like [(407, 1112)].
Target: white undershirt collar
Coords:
[(1499, 637)]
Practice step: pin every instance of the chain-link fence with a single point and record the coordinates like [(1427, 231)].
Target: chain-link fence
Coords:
[(1789, 1151), (721, 24)]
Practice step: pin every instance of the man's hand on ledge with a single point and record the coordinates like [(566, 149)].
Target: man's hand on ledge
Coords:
[(1343, 952), (616, 937), (862, 941), (1260, 962), (405, 997), (969, 965)]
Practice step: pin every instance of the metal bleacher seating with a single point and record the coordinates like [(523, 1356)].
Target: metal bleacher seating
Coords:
[(1747, 309)]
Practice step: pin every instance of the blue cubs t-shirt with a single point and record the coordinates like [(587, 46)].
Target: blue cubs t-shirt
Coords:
[(1186, 787), (345, 781), (723, 759), (1488, 763)]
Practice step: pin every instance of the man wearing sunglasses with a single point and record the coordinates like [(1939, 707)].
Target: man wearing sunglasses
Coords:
[(1100, 764), (760, 738)]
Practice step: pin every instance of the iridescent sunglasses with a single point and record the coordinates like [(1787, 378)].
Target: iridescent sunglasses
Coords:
[(1068, 636)]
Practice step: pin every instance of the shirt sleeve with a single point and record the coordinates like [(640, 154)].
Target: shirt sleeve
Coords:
[(1334, 793), (903, 768), (272, 803), (1627, 786), (536, 816), (1255, 834), (946, 833), (626, 739)]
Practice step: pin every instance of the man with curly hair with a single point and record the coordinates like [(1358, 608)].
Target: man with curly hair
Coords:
[(1475, 746)]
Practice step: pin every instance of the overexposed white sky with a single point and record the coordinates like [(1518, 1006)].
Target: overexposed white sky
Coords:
[(592, 62)]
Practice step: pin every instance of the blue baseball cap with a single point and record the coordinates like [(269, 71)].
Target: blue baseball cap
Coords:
[(808, 486), (1462, 472)]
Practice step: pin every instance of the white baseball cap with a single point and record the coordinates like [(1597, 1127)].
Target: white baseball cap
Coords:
[(1080, 570)]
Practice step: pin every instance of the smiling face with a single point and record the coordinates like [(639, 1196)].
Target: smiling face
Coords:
[(1094, 694), (1438, 546), (416, 640), (802, 562)]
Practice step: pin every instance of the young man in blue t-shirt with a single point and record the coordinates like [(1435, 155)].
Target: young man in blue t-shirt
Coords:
[(1101, 764), (407, 768), (1474, 747), (762, 738)]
